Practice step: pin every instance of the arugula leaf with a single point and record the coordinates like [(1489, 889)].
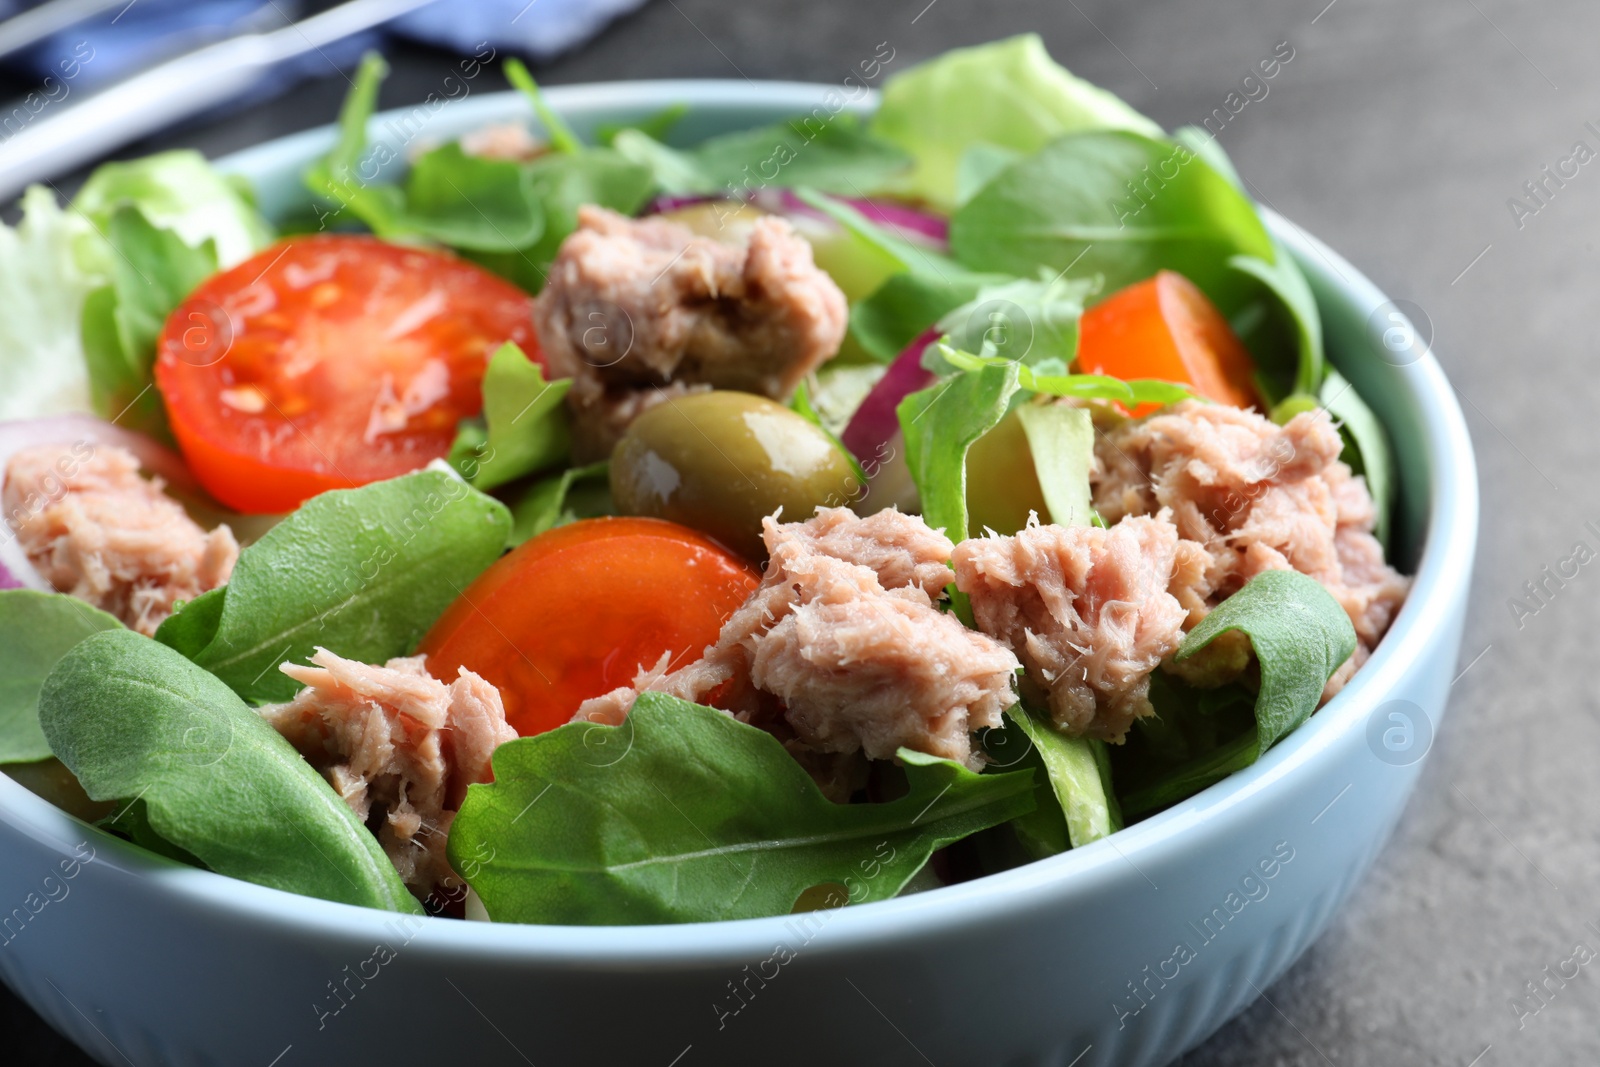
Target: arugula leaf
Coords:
[(41, 270), (1026, 320), (1082, 386), (562, 139), (980, 162), (152, 272), (1079, 775), (480, 205), (179, 191), (905, 305), (656, 126), (545, 505), (336, 178), (1283, 278), (834, 154), (1202, 772), (36, 630), (1300, 635), (523, 427), (1118, 204), (1366, 446), (684, 814), (134, 720), (1008, 93), (362, 572), (1061, 439), (940, 424), (562, 184)]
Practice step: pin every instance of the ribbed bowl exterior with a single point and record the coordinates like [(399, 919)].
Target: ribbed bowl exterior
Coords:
[(1125, 953)]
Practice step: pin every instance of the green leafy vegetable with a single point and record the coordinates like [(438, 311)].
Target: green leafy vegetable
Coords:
[(135, 721), (1366, 446), (980, 162), (1283, 278), (549, 503), (1300, 635), (1079, 775), (480, 205), (523, 427), (940, 424), (1025, 320), (179, 191), (362, 572), (684, 814), (656, 126), (562, 139), (831, 153), (337, 177), (1082, 386), (1061, 440), (1118, 204), (1197, 774), (1010, 94), (152, 272), (907, 304), (41, 270), (36, 630)]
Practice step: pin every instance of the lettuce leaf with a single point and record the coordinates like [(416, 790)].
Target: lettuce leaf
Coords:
[(940, 424), (36, 630), (181, 192), (685, 814), (152, 271), (1009, 94), (1061, 440), (135, 721), (44, 278), (1366, 446), (363, 572)]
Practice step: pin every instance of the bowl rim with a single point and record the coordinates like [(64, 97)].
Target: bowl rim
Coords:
[(1424, 620)]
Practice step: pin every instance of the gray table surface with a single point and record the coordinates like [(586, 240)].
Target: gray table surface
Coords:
[(1398, 133)]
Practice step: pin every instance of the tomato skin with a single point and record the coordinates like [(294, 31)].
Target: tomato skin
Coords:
[(1164, 327), (575, 612), (330, 361)]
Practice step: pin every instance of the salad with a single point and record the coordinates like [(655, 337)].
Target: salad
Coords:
[(596, 529)]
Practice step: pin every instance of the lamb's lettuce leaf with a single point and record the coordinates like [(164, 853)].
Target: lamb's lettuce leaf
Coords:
[(1010, 94), (1300, 635), (1061, 440), (685, 814), (1366, 446), (1118, 204), (1079, 773), (477, 205), (137, 722), (36, 630), (523, 427), (44, 279), (940, 424), (179, 191), (830, 152), (152, 271), (362, 572)]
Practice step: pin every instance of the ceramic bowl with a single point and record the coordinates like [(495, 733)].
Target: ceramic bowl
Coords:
[(1127, 952)]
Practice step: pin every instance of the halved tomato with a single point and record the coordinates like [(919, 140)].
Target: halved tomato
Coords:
[(330, 361), (575, 612)]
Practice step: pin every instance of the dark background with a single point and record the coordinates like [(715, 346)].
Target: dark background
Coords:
[(1397, 133)]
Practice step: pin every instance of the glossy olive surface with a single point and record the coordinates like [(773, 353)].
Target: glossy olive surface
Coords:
[(722, 461)]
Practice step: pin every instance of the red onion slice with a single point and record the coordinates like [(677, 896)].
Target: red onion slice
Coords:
[(876, 422)]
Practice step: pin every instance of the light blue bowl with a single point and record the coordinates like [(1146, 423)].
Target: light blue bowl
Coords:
[(1075, 960)]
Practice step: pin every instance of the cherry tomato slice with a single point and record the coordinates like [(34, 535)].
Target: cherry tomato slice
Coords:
[(1164, 327), (330, 361), (575, 612)]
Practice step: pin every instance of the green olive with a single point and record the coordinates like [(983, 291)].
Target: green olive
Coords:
[(1002, 485), (717, 219), (722, 461)]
